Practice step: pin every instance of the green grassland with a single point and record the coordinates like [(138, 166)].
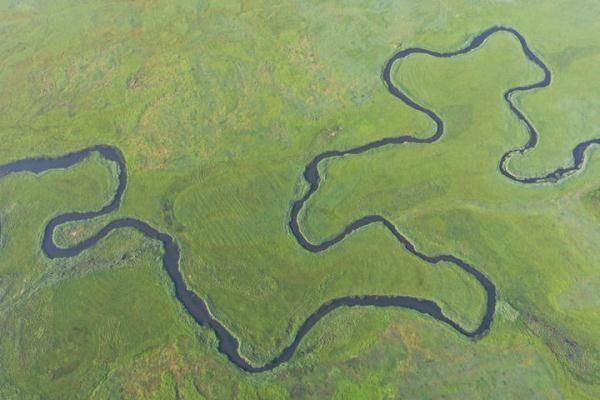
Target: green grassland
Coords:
[(217, 107)]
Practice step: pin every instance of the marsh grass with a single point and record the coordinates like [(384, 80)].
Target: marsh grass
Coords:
[(217, 108)]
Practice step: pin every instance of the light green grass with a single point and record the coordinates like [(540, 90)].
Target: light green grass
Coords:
[(217, 107)]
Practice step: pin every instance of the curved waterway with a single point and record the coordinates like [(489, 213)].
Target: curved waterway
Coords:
[(198, 308)]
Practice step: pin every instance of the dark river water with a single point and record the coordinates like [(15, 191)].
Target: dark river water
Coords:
[(197, 307)]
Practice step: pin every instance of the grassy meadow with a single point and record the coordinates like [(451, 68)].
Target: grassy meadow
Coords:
[(217, 107)]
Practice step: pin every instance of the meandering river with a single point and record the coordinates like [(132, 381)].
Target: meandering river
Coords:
[(197, 307)]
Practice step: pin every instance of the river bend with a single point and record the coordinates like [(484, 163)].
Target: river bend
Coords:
[(197, 307)]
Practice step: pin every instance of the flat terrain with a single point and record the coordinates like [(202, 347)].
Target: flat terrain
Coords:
[(217, 108)]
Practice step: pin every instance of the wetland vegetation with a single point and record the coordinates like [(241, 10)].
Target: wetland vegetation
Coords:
[(217, 108)]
